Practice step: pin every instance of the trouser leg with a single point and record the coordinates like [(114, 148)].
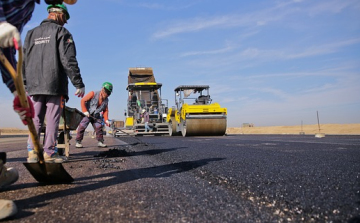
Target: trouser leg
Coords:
[(81, 129), (54, 107), (98, 129), (38, 120)]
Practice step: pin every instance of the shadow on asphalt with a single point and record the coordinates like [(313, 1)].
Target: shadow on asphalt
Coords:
[(115, 178), (93, 155)]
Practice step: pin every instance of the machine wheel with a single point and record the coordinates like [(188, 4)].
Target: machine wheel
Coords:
[(172, 128), (183, 128)]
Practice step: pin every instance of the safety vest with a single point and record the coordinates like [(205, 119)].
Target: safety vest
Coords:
[(92, 105)]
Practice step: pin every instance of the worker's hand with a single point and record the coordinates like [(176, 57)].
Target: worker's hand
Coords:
[(80, 92), (87, 114), (23, 112), (9, 35), (107, 123)]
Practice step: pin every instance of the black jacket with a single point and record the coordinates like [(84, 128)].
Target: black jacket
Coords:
[(49, 59)]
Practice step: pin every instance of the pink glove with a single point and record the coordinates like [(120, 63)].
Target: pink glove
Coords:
[(24, 112)]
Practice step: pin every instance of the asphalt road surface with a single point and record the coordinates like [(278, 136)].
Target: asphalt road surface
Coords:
[(236, 178)]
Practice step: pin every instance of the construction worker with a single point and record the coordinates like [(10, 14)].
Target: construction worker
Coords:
[(47, 79), (92, 105), (146, 119), (14, 14)]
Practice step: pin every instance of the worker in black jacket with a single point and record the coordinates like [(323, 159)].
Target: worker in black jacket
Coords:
[(49, 60)]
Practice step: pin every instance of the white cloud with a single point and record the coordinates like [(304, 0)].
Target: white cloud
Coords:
[(252, 57), (166, 7), (258, 18), (192, 26), (323, 49), (333, 6), (219, 51)]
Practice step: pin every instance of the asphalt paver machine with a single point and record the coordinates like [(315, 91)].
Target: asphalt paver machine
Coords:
[(146, 97)]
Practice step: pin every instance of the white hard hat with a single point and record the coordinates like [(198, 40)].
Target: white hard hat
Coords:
[(143, 111)]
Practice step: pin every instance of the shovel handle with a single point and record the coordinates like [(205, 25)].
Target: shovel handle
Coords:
[(19, 85)]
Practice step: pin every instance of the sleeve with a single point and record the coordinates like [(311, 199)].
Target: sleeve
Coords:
[(67, 52), (86, 98), (2, 15), (5, 74)]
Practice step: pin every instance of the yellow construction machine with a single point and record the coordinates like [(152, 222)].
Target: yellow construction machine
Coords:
[(195, 114), (145, 95)]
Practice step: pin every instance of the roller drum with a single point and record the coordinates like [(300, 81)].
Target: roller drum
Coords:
[(204, 127)]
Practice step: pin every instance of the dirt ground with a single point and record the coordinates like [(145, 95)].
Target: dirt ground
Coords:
[(13, 131), (330, 129)]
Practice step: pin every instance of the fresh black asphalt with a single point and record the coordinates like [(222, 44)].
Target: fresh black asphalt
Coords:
[(235, 178)]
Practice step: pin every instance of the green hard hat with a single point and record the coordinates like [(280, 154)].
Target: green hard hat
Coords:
[(63, 7), (108, 86)]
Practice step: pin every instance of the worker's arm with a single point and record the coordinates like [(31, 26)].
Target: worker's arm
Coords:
[(67, 52), (87, 97), (106, 116)]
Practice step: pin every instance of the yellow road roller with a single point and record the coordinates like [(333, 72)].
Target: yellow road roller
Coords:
[(195, 114)]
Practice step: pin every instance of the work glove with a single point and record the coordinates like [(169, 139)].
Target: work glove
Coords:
[(9, 35), (87, 114), (107, 123), (80, 92), (23, 112)]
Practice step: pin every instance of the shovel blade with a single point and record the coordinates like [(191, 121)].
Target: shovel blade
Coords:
[(49, 173)]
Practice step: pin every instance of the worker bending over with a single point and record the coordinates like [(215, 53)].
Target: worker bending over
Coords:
[(92, 105)]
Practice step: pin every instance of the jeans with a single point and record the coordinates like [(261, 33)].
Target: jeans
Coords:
[(147, 128)]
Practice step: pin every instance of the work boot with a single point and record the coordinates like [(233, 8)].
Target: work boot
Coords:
[(8, 176), (7, 209), (78, 144), (101, 144), (55, 158), (32, 157)]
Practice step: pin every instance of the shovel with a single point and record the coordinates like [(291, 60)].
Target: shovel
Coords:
[(50, 173)]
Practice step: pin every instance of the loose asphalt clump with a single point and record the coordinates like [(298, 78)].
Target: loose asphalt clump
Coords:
[(116, 152), (104, 163), (107, 160)]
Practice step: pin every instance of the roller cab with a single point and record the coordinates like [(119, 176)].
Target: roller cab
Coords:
[(194, 114)]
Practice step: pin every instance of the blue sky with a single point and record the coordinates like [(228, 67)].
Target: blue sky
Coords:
[(268, 62)]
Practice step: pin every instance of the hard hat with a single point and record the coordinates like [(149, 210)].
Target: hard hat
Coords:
[(108, 86), (143, 111), (61, 6)]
